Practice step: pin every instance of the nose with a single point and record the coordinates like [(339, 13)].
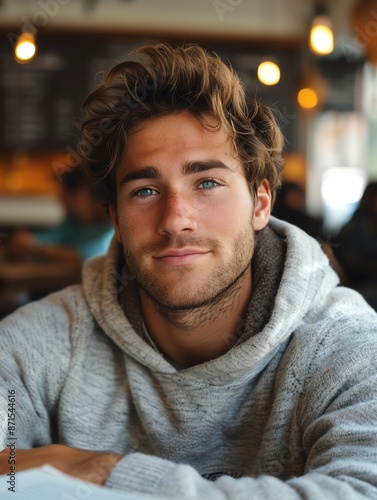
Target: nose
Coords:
[(177, 215)]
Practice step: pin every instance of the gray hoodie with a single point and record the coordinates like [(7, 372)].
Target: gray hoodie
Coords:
[(290, 411)]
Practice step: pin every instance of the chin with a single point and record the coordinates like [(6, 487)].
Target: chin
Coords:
[(179, 303), (184, 298)]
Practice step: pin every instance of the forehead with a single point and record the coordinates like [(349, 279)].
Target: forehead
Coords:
[(180, 132)]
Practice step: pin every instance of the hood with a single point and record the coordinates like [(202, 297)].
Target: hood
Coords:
[(306, 281)]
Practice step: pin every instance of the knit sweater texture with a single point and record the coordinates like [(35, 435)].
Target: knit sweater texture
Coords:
[(289, 412)]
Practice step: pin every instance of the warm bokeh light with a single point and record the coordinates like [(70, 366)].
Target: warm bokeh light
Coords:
[(321, 36), (25, 48), (307, 98), (268, 73)]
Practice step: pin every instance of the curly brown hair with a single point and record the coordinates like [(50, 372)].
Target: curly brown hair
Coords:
[(161, 79)]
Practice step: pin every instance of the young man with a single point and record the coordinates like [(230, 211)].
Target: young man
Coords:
[(210, 353)]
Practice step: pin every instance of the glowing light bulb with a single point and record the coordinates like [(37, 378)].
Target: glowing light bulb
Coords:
[(307, 98), (268, 73), (25, 49), (321, 36)]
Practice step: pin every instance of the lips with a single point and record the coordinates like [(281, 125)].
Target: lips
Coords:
[(179, 252), (181, 256)]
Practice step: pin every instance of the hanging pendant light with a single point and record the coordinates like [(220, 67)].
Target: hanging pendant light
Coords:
[(321, 38), (268, 72), (25, 48)]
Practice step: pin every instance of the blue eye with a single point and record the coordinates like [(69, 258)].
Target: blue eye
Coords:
[(144, 192), (208, 184)]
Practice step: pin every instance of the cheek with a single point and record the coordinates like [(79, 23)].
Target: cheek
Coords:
[(236, 211), (127, 225), (228, 220), (135, 227)]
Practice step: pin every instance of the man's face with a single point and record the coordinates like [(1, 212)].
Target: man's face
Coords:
[(185, 214)]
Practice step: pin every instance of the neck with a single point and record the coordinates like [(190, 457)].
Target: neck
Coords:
[(190, 337)]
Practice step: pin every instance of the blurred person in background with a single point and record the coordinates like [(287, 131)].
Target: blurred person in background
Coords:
[(290, 206), (356, 248), (85, 231)]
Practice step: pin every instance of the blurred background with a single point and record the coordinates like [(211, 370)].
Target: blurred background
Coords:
[(314, 61)]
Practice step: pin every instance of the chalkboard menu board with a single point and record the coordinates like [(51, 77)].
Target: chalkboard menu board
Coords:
[(39, 100)]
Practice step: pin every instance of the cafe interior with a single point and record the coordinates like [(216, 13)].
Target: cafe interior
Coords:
[(313, 61)]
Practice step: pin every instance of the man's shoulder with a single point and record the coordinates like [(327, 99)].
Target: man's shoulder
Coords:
[(332, 356), (52, 315), (337, 328)]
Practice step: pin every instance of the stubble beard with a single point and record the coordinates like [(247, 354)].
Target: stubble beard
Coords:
[(212, 298)]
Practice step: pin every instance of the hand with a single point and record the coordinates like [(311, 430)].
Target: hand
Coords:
[(91, 466), (22, 245)]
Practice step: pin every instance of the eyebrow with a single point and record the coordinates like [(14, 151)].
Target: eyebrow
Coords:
[(193, 167), (142, 173)]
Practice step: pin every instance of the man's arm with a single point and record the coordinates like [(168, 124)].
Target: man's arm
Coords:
[(339, 422), (341, 446), (94, 467), (34, 359), (23, 245), (35, 352)]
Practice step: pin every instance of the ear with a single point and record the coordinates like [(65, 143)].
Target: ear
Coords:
[(262, 206), (114, 220)]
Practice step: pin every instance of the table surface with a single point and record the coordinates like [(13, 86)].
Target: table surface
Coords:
[(37, 277)]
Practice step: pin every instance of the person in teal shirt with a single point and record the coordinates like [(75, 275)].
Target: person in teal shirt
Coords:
[(85, 231)]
